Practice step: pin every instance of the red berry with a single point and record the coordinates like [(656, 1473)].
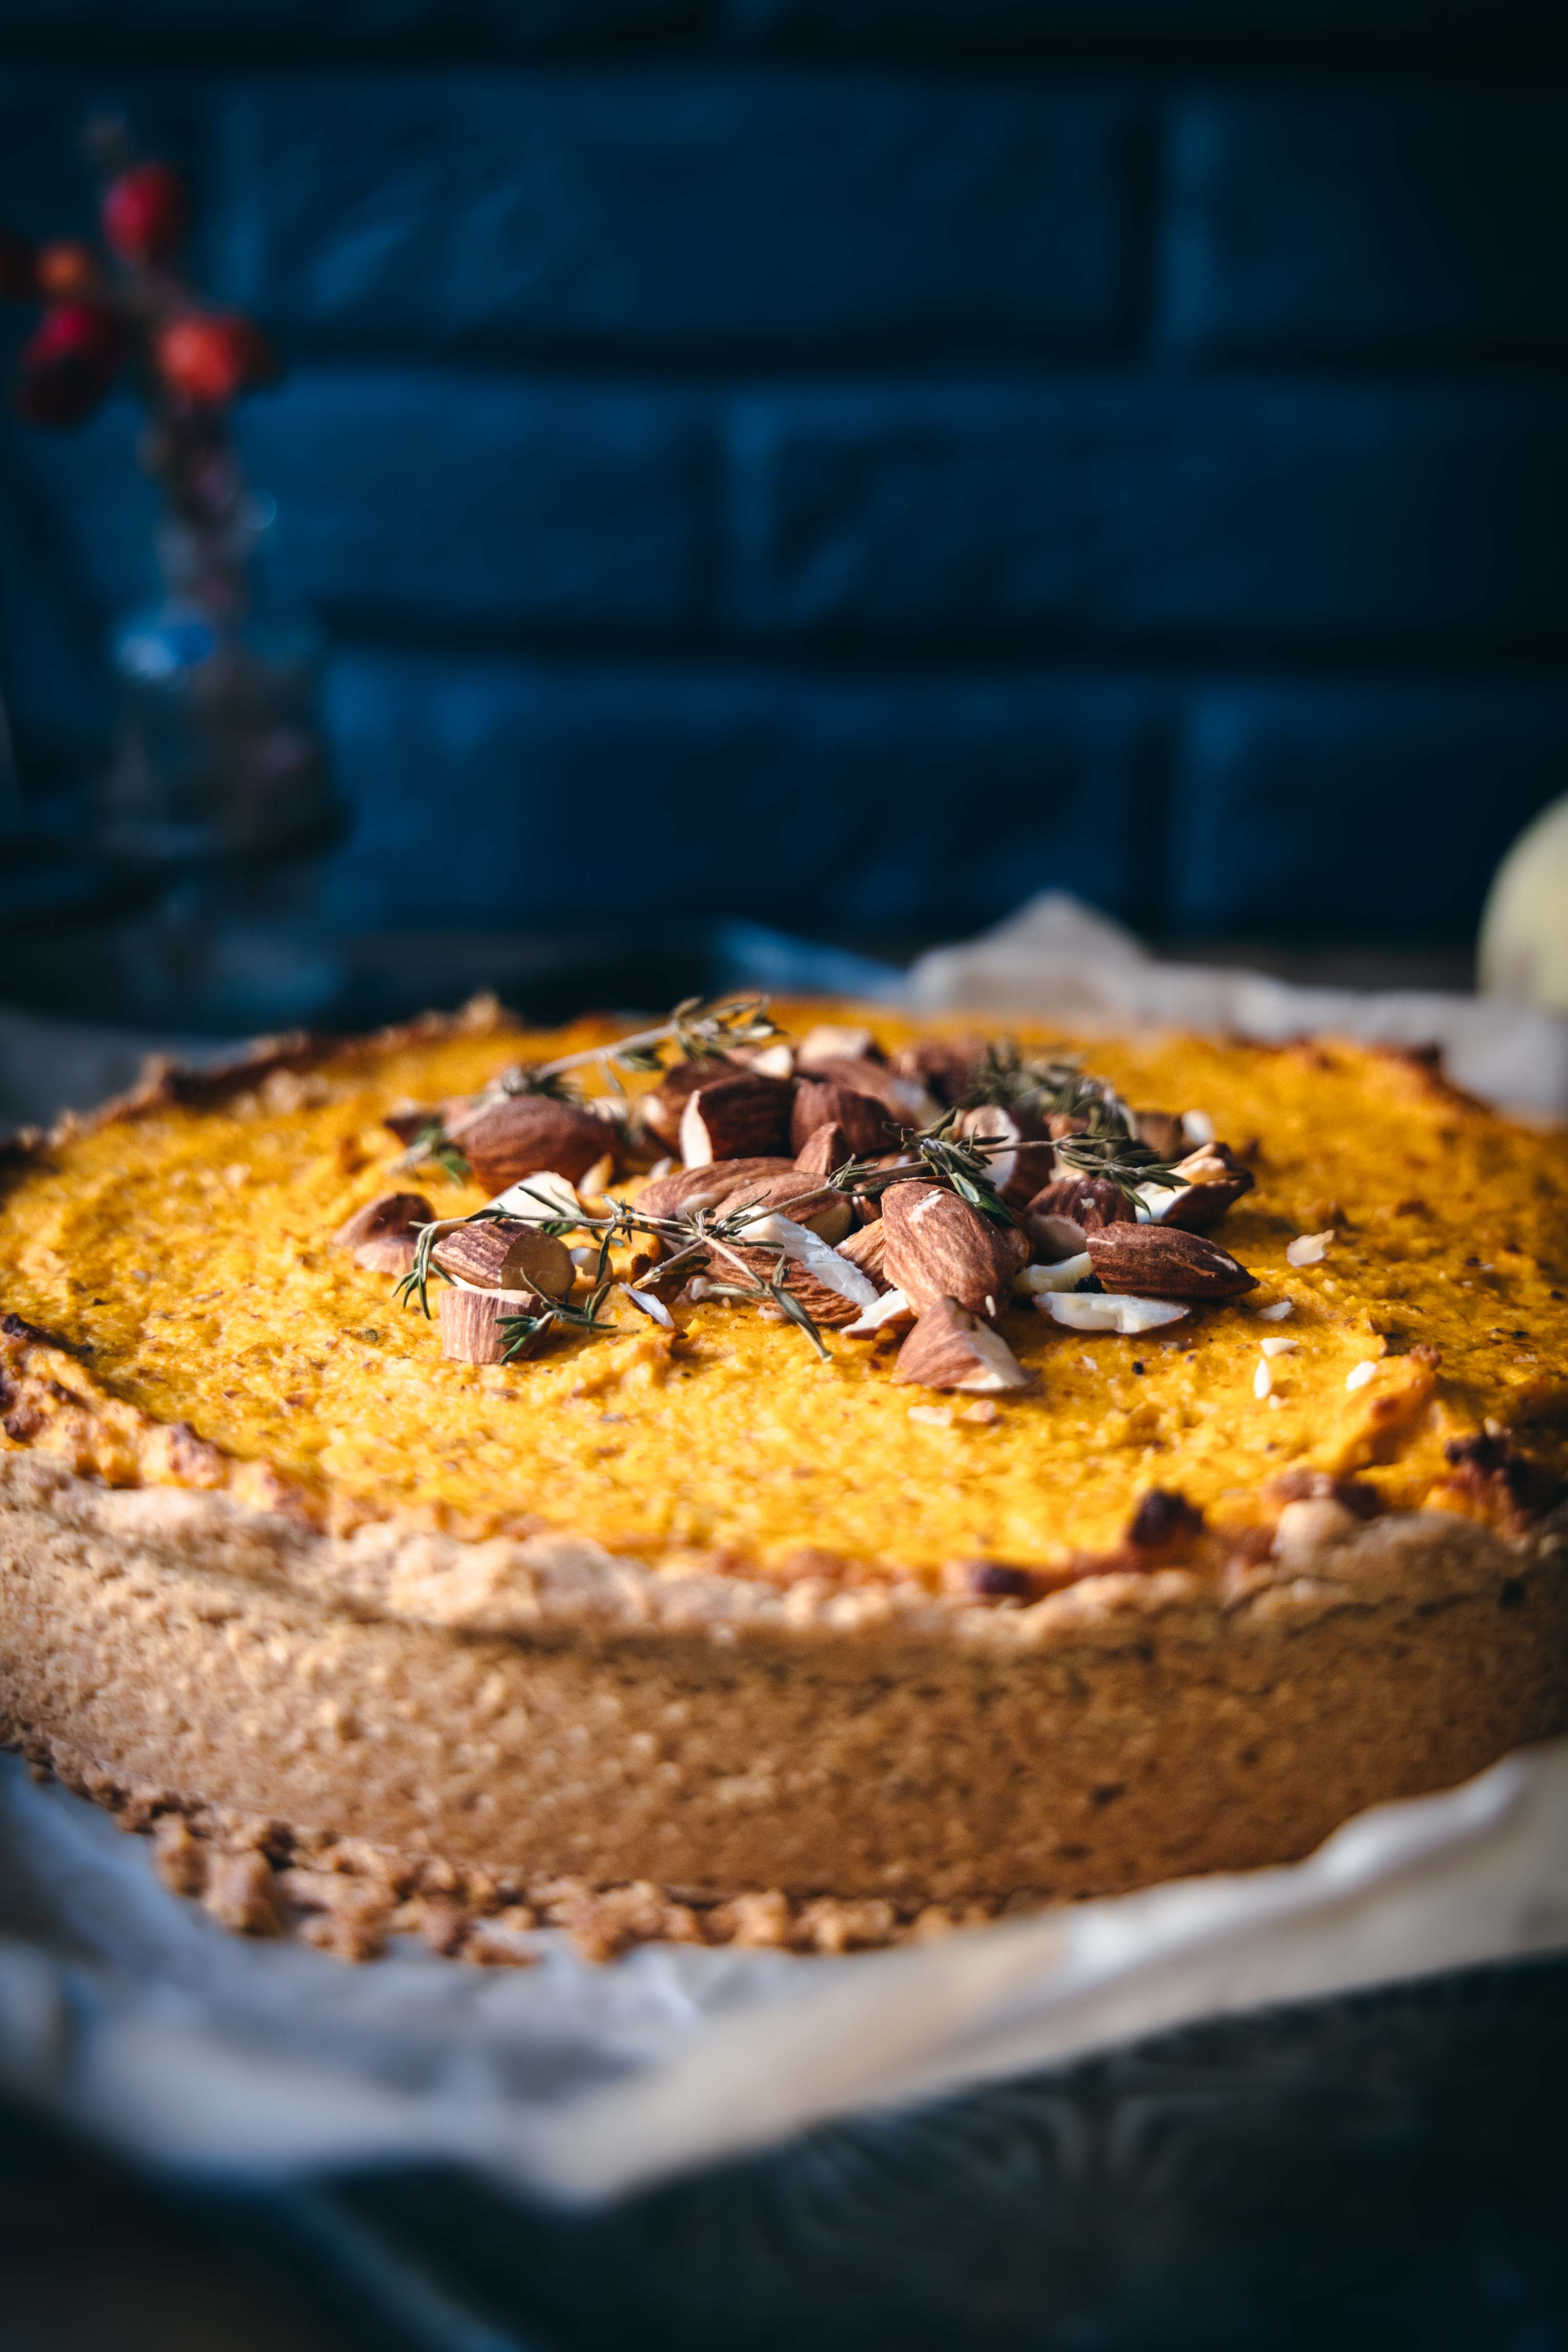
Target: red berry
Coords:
[(68, 273), (208, 358), (69, 363), (18, 266), (144, 212)]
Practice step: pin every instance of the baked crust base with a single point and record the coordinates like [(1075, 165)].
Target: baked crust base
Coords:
[(539, 1728)]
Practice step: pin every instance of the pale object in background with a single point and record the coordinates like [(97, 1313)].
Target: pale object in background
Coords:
[(1523, 946), (1057, 958)]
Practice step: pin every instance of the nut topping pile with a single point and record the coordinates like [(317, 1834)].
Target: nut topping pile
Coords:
[(916, 1198)]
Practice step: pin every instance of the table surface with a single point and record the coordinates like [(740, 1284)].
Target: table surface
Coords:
[(1388, 2170)]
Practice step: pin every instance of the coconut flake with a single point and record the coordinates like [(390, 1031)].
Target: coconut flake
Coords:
[(1308, 1249), (1263, 1380), (1359, 1375), (1277, 1312), (821, 1260), (1034, 1281), (1107, 1310), (655, 1309), (540, 1200), (935, 1416), (1277, 1346), (890, 1308)]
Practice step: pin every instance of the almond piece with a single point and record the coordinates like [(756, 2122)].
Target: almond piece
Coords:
[(868, 1204), (388, 1212), (521, 1135), (823, 1305), (1089, 1202), (906, 1098), (703, 1188), (824, 1150), (382, 1234), (867, 1247), (1163, 1262), (775, 1060), (939, 1247), (943, 1065), (891, 1311), (821, 1211), (471, 1322), (734, 1117), (1161, 1130), (504, 1253), (1214, 1180), (660, 1109), (833, 1041), (1024, 1164), (869, 1125), (952, 1349)]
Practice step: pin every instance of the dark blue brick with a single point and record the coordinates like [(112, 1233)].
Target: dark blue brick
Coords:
[(423, 495), (896, 27), (1372, 812), (477, 501), (571, 794), (1154, 511), (1395, 221), (368, 26), (708, 208)]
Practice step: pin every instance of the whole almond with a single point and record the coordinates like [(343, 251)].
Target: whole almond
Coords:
[(952, 1349), (1163, 1262), (522, 1135), (824, 1150), (703, 1188), (505, 1253), (868, 1124), (471, 1322), (939, 1247), (735, 1117)]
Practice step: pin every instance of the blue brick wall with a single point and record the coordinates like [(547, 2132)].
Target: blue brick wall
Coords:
[(974, 445)]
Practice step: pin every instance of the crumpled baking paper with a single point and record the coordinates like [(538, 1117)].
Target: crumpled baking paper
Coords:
[(1056, 957), (130, 2013)]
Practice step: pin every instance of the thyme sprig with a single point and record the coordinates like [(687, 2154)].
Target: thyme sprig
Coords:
[(692, 1234), (1046, 1089), (431, 1143), (1121, 1159), (520, 1331), (941, 1157), (700, 1030)]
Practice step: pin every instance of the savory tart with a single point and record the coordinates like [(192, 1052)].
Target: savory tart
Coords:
[(795, 1478)]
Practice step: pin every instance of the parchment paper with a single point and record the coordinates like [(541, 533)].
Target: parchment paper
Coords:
[(131, 2013)]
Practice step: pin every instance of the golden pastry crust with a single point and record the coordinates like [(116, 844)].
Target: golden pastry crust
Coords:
[(466, 1670)]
